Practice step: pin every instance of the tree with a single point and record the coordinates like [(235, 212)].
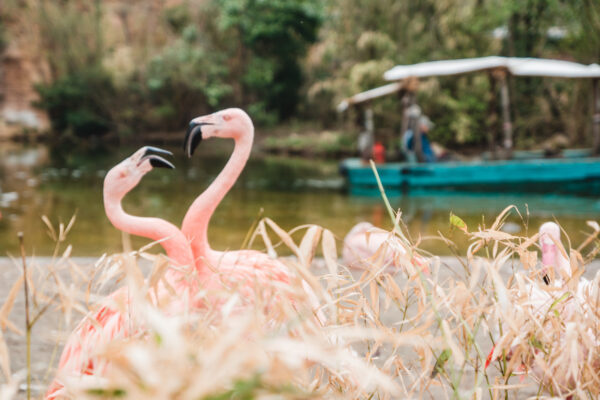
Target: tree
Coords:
[(275, 35)]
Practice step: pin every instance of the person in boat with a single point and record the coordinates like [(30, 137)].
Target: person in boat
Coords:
[(365, 145), (424, 124)]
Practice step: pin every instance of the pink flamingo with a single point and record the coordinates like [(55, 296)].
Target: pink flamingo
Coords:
[(365, 246), (549, 236), (541, 300), (107, 323), (552, 257), (249, 269)]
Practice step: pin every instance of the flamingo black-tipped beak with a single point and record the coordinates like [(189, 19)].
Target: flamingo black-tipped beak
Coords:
[(159, 162), (152, 149), (156, 161), (546, 279), (193, 137)]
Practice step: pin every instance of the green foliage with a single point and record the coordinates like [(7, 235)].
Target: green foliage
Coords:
[(361, 38), (456, 221), (242, 390), (376, 45), (275, 35), (177, 17), (444, 355), (585, 38), (242, 52), (183, 79), (460, 119), (326, 144), (320, 99), (77, 98), (299, 58), (71, 36), (77, 103), (104, 393), (368, 75)]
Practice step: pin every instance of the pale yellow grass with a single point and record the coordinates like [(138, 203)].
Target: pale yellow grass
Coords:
[(371, 336)]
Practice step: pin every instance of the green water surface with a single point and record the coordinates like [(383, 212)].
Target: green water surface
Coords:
[(37, 180)]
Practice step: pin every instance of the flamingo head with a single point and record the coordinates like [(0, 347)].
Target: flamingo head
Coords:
[(549, 236), (127, 174), (231, 123)]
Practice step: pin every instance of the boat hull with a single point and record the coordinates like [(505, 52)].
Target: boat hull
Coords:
[(546, 175)]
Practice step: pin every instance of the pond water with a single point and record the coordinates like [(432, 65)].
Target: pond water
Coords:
[(60, 182)]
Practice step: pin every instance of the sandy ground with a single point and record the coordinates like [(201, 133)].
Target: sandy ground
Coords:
[(47, 337)]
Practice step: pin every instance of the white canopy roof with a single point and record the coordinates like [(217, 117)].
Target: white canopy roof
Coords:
[(445, 67), (515, 65), (368, 95), (551, 68), (518, 66)]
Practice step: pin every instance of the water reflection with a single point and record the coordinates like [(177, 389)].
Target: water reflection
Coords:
[(36, 181)]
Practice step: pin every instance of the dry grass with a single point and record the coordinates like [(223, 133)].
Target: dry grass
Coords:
[(373, 336)]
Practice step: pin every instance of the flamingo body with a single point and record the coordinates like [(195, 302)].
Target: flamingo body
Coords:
[(366, 245), (243, 264)]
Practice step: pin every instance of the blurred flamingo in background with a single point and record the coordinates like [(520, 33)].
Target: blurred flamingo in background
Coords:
[(366, 246), (108, 323), (541, 300), (552, 256)]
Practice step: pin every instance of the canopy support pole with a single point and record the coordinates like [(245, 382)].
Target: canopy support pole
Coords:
[(596, 117), (417, 135), (492, 120), (408, 99), (506, 122), (366, 138), (369, 123), (409, 122)]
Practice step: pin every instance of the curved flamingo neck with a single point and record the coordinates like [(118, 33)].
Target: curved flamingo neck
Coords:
[(172, 240), (196, 220)]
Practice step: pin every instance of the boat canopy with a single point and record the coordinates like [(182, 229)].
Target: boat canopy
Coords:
[(518, 66), (369, 94), (404, 75)]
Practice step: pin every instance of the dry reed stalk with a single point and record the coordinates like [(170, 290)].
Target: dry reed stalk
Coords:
[(27, 321)]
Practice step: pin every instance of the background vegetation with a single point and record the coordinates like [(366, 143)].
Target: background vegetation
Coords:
[(131, 67)]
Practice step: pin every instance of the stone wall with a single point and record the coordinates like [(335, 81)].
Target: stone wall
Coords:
[(18, 76), (131, 28)]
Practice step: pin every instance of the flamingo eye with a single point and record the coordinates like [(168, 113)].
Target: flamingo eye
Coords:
[(226, 117), (123, 174)]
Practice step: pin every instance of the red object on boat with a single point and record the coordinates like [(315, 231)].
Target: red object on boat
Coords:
[(379, 152)]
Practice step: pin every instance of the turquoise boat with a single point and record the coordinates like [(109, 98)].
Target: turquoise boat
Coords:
[(560, 175), (526, 171)]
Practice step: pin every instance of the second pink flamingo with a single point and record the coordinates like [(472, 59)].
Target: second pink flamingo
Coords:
[(108, 322)]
